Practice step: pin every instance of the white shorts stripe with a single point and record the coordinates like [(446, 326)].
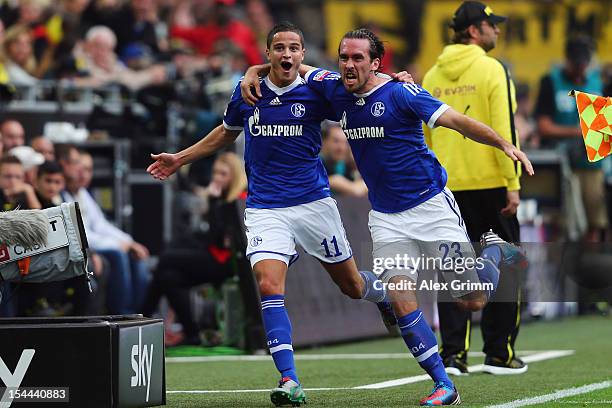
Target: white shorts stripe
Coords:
[(427, 354), (281, 347)]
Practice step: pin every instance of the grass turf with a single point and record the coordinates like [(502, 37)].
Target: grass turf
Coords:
[(591, 337)]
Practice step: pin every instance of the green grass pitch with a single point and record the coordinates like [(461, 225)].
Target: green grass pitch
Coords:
[(590, 337)]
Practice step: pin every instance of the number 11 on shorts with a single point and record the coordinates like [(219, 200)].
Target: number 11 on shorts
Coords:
[(333, 241)]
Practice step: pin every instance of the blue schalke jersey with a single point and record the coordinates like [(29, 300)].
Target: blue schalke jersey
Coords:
[(384, 129), (283, 140)]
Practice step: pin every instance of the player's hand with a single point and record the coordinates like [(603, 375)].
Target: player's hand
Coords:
[(164, 166), (402, 77), (249, 87), (513, 200), (516, 155)]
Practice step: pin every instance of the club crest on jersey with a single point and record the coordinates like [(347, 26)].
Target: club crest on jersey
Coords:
[(256, 241), (378, 109), (298, 110)]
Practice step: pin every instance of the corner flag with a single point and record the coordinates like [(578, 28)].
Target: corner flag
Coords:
[(595, 114)]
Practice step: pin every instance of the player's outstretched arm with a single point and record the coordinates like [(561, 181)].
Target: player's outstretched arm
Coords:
[(481, 133), (167, 164)]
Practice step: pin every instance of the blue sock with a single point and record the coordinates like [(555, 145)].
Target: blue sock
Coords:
[(278, 332), (422, 343), (373, 289), (488, 270)]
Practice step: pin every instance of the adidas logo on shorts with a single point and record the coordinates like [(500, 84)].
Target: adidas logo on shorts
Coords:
[(275, 102)]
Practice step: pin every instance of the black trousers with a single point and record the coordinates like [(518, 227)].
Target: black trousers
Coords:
[(180, 269), (500, 322)]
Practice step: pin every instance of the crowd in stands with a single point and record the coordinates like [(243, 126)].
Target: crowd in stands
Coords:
[(135, 43), (43, 175)]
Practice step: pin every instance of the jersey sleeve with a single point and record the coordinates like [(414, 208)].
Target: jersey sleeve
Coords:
[(322, 81), (232, 118), (411, 98)]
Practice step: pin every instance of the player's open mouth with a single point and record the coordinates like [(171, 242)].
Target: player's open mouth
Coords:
[(350, 77), (286, 65)]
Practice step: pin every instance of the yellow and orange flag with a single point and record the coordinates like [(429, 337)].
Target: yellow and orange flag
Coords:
[(595, 114)]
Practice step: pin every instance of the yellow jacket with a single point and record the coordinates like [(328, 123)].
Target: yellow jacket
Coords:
[(473, 83)]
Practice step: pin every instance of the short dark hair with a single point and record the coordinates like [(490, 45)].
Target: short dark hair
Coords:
[(463, 36), (49, 167), (62, 151), (282, 27), (9, 160), (377, 48)]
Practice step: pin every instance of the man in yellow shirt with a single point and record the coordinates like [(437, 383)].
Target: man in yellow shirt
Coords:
[(483, 181)]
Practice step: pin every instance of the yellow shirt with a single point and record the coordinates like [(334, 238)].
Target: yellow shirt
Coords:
[(4, 78), (473, 83)]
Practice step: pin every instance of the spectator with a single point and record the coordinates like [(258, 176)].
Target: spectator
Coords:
[(135, 24), (337, 159), (43, 146), (69, 297), (31, 12), (202, 256), (63, 31), (19, 60), (524, 122), (1, 145), (99, 65), (558, 125), (49, 184), (14, 191), (260, 19), (129, 275), (30, 159), (206, 38), (13, 134)]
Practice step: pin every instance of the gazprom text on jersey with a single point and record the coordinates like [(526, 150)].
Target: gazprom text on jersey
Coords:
[(365, 132)]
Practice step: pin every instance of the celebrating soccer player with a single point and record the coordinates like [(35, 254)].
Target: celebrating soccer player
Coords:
[(412, 211)]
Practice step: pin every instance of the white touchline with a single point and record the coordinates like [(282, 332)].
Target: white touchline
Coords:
[(347, 356), (235, 391), (546, 355), (555, 395)]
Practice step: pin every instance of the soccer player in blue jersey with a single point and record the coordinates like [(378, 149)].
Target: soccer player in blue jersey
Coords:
[(413, 213), (289, 197)]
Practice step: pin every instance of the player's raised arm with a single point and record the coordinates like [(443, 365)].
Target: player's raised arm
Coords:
[(481, 133), (167, 164)]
